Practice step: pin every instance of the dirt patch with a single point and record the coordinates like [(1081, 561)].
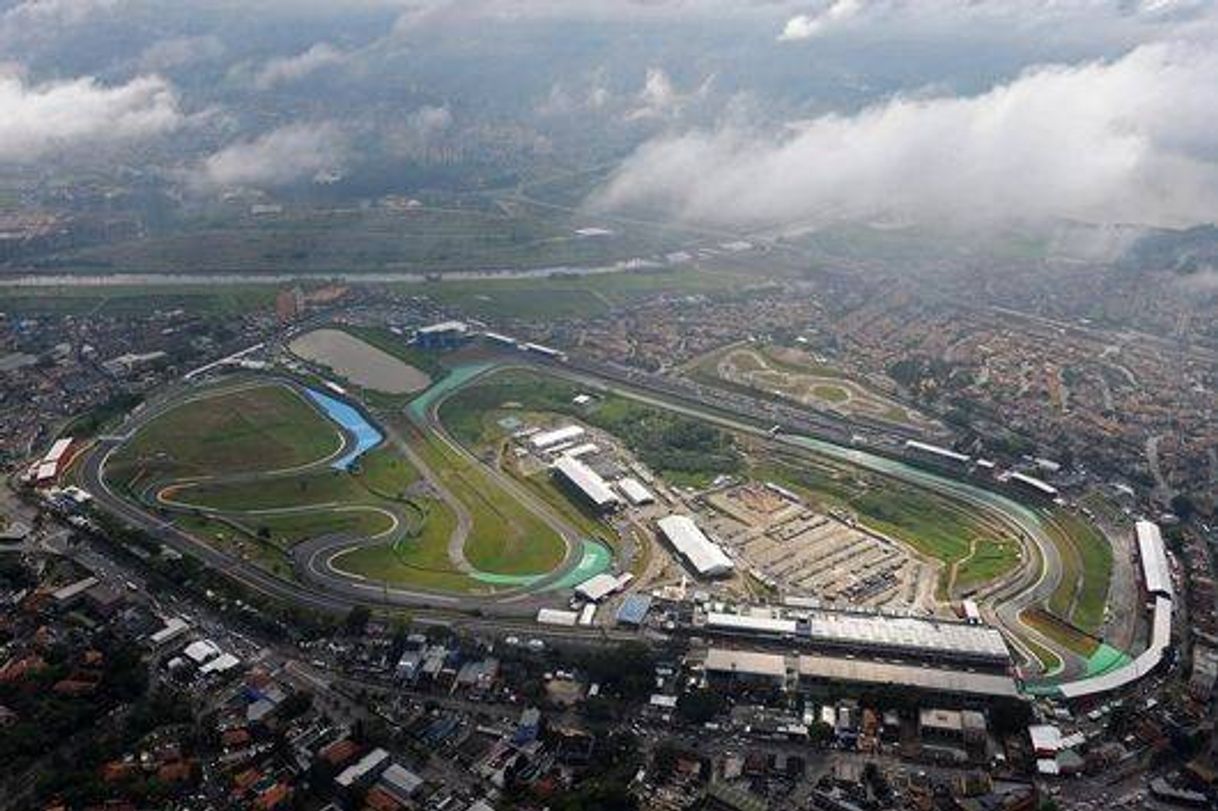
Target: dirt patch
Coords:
[(359, 362)]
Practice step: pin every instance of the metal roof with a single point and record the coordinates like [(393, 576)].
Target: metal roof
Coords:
[(836, 668), (1155, 571), (746, 663), (548, 439), (704, 555), (633, 609), (587, 480), (636, 492), (911, 634), (1148, 660)]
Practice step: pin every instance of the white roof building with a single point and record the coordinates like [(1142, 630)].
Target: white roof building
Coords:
[(635, 491), (1155, 571), (746, 664), (548, 439), (221, 664), (705, 556), (200, 651), (368, 764), (598, 587), (554, 616), (588, 481)]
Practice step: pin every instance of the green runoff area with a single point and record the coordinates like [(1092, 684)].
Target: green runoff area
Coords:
[(246, 465)]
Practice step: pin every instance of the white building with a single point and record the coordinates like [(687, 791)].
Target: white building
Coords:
[(705, 556)]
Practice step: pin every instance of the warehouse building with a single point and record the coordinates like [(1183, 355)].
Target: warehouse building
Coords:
[(705, 557), (736, 668), (635, 492), (445, 335), (545, 440), (586, 483)]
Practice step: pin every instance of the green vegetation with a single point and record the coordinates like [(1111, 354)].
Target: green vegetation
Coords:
[(580, 296), (217, 301), (832, 394), (506, 538), (990, 558), (258, 428), (683, 449), (419, 560), (1060, 632), (1086, 555)]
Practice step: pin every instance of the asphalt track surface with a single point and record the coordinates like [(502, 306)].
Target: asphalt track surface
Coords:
[(315, 559), (328, 588)]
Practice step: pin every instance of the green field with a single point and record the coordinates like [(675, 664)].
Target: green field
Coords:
[(1082, 594), (216, 301), (419, 560), (259, 428), (506, 538), (682, 449)]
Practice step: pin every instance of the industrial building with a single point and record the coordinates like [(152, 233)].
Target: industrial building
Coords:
[(586, 483), (545, 440), (856, 632), (635, 492), (444, 335), (705, 557), (738, 668), (835, 675)]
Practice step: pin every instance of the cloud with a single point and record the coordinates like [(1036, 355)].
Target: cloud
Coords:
[(293, 68), (1128, 140), (286, 155), (39, 119), (807, 26), (179, 51)]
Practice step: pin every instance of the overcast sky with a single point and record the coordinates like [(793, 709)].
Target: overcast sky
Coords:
[(764, 113)]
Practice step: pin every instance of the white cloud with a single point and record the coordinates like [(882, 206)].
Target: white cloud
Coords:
[(807, 26), (1130, 140), (38, 119), (291, 153), (293, 68)]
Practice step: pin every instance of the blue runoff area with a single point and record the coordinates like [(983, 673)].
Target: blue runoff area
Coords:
[(349, 417)]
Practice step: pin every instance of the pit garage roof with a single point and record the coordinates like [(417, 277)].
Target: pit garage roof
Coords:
[(587, 480), (861, 671), (746, 663), (704, 555), (1155, 571), (907, 634)]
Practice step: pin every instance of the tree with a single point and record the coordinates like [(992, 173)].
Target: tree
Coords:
[(700, 706), (357, 620)]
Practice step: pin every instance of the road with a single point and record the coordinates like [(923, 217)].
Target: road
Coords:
[(1039, 575)]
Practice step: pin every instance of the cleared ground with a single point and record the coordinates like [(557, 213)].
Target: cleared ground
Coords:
[(359, 362)]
